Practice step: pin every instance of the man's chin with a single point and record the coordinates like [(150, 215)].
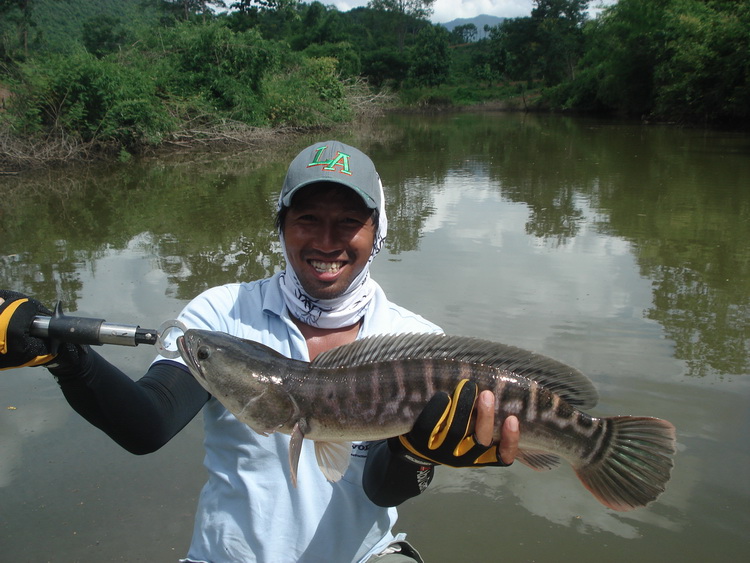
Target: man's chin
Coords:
[(318, 289), (325, 294)]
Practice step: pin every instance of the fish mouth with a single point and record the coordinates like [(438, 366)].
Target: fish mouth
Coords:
[(192, 362)]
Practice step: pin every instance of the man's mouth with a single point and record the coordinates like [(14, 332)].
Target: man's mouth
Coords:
[(326, 267)]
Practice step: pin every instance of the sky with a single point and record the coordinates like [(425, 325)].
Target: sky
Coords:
[(448, 10)]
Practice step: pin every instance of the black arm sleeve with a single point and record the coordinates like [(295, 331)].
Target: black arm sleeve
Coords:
[(389, 480), (142, 415)]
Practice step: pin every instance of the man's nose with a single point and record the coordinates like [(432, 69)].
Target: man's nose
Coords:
[(329, 237)]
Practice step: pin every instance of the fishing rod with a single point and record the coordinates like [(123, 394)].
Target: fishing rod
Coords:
[(84, 330)]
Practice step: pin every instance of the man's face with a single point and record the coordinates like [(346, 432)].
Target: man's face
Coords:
[(329, 234)]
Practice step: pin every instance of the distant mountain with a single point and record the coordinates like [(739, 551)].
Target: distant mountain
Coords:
[(480, 21)]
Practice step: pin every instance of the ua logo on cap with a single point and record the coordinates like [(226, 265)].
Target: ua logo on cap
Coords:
[(341, 160)]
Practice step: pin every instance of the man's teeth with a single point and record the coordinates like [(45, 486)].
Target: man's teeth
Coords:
[(331, 267)]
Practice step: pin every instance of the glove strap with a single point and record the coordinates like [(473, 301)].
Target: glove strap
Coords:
[(407, 452)]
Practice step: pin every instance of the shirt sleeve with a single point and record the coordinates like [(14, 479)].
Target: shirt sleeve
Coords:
[(389, 480), (141, 416)]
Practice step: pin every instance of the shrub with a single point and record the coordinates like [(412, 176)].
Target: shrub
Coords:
[(99, 100), (309, 94)]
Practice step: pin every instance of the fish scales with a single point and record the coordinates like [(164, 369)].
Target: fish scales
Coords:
[(373, 400), (376, 387)]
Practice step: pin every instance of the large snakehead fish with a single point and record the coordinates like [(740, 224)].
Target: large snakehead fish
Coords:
[(376, 387)]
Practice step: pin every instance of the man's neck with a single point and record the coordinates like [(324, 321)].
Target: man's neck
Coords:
[(322, 339)]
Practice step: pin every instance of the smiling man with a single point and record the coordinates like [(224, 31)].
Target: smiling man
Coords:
[(332, 222)]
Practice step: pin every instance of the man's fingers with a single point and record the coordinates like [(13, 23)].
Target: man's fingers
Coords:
[(485, 424), (509, 440)]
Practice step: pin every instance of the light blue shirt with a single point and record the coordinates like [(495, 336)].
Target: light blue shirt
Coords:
[(249, 510)]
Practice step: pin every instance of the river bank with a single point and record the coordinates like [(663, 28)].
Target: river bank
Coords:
[(19, 153)]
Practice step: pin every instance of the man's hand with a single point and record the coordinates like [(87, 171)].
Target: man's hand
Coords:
[(17, 347), (444, 432), (485, 425)]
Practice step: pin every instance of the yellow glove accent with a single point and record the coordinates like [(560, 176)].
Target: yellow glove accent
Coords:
[(440, 432), (5, 317)]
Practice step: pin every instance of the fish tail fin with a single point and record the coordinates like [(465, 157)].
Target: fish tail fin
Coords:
[(634, 465)]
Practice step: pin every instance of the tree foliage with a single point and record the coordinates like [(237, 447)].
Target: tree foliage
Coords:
[(102, 35), (681, 60), (545, 46), (705, 71), (420, 9), (430, 57), (463, 33)]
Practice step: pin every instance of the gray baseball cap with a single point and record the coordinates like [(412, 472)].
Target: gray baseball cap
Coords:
[(333, 161)]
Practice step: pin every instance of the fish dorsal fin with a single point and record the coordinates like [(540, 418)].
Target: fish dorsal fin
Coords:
[(559, 378)]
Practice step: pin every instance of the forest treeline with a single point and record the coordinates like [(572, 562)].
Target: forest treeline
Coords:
[(126, 75)]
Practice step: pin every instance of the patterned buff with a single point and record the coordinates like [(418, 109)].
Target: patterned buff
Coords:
[(348, 308)]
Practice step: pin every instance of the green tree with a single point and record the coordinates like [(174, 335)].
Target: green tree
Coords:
[(406, 11), (545, 46), (430, 57), (513, 52), (678, 60), (420, 9), (185, 9), (385, 66), (318, 25), (558, 36), (249, 5), (704, 73), (21, 13), (102, 35), (463, 33), (623, 47)]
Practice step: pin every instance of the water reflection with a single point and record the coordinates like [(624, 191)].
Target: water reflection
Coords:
[(677, 197)]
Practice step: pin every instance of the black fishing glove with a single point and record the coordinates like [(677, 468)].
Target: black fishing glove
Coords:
[(17, 347), (444, 433)]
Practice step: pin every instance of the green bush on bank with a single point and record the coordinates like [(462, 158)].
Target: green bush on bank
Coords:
[(98, 100), (310, 94), (189, 75), (223, 68)]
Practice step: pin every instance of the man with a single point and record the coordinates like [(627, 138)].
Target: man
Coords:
[(332, 223)]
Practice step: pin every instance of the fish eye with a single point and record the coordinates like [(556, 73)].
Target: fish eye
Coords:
[(203, 353)]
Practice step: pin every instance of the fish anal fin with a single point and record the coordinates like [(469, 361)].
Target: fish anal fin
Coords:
[(538, 460), (295, 448), (333, 458)]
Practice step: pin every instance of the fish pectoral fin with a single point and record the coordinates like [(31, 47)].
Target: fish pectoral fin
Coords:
[(333, 458), (538, 460), (295, 447)]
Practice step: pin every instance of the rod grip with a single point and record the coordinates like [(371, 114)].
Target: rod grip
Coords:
[(85, 330)]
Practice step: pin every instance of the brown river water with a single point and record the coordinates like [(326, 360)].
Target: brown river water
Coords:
[(619, 248)]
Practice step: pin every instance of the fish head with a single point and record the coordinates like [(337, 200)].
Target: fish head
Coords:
[(242, 375)]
